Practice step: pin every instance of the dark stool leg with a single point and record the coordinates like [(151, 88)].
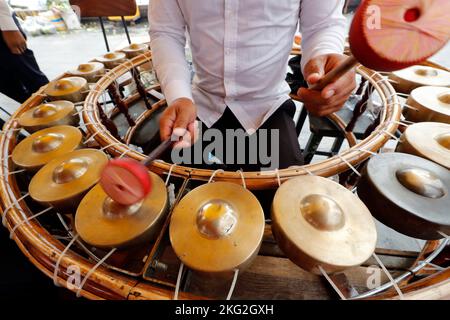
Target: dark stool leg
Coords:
[(337, 145), (311, 147), (126, 29), (104, 33), (301, 120)]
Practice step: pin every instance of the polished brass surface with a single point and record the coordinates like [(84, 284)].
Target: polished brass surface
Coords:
[(216, 219), (217, 228), (322, 212), (134, 49), (112, 59), (408, 194), (49, 115), (428, 104), (90, 71), (47, 142), (444, 140), (430, 140), (43, 146), (318, 222), (422, 182), (414, 77), (101, 222), (71, 88), (65, 179), (70, 170)]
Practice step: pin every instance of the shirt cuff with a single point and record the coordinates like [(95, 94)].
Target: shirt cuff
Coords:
[(177, 89), (8, 24)]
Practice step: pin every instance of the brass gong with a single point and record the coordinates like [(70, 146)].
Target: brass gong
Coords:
[(408, 194), (428, 104), (63, 182), (134, 50), (217, 228), (112, 59), (73, 89), (49, 115), (414, 77), (103, 223), (45, 145), (318, 222), (90, 71), (429, 140)]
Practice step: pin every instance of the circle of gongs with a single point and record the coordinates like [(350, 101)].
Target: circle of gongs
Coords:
[(430, 140), (408, 194), (90, 71), (430, 104), (134, 49), (68, 176), (65, 86), (103, 223), (48, 115), (45, 145), (217, 228), (408, 79), (318, 222)]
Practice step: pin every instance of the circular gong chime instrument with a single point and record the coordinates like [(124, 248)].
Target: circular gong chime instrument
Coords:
[(408, 194), (414, 77), (90, 71), (134, 50), (429, 140), (319, 223), (64, 181), (73, 89), (49, 115), (112, 59), (428, 104), (104, 223), (217, 228), (43, 146)]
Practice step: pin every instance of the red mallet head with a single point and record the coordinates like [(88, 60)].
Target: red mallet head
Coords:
[(126, 181), (388, 35)]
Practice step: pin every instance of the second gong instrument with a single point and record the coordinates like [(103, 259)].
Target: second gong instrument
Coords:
[(408, 194), (104, 223), (429, 140), (49, 115), (320, 224), (217, 228)]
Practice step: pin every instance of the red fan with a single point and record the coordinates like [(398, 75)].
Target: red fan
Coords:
[(385, 35)]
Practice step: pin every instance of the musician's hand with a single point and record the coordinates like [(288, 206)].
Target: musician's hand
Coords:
[(332, 98), (15, 41), (180, 119)]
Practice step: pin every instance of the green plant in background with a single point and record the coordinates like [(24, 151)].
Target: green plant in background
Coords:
[(59, 4)]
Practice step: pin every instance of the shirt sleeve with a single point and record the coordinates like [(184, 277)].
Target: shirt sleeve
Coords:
[(168, 41), (323, 27), (6, 21)]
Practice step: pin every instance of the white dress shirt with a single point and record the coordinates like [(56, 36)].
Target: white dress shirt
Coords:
[(240, 50), (6, 21)]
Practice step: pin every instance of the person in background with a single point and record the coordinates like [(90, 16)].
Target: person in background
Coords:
[(20, 75), (240, 51)]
